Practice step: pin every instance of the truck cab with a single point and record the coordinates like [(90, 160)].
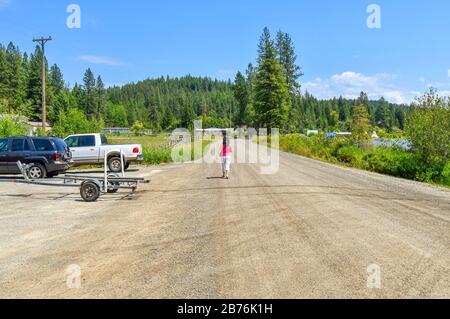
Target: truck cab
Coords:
[(86, 148), (91, 149)]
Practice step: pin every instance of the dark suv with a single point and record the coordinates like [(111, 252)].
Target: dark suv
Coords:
[(46, 156)]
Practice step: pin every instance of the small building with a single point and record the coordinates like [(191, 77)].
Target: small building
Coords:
[(312, 132), (116, 130), (343, 134), (125, 131), (337, 134), (33, 128)]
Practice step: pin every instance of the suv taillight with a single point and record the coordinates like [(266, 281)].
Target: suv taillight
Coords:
[(57, 157), (136, 150)]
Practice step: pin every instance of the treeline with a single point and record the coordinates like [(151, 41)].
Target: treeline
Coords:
[(167, 103), (20, 82), (20, 88), (266, 95)]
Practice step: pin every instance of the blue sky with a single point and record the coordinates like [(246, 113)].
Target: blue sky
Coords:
[(127, 41)]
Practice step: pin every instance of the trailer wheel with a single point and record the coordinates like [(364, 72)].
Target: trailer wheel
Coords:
[(89, 191), (115, 186)]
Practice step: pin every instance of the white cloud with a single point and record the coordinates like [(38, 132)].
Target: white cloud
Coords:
[(350, 84), (422, 79), (96, 59)]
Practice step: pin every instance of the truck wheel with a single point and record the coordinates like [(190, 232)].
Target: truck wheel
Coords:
[(36, 171), (115, 165), (89, 191)]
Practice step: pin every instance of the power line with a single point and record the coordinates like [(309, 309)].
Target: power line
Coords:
[(42, 41)]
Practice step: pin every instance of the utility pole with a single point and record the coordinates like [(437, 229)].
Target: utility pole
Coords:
[(42, 41)]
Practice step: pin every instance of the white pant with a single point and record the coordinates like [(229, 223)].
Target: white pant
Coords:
[(226, 163)]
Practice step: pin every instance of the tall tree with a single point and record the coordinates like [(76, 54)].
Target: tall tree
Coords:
[(292, 72), (90, 100), (34, 85), (360, 123), (383, 115), (188, 116), (271, 94), (242, 96), (56, 79), (100, 97), (16, 78), (288, 60)]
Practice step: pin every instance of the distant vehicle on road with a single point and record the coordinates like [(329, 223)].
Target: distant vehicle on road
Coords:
[(91, 149), (46, 156)]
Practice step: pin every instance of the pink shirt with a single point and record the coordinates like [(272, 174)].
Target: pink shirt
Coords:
[(226, 151)]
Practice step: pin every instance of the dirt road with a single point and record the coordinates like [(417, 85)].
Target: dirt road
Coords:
[(310, 230)]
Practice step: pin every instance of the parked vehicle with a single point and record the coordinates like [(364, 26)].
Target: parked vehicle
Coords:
[(91, 149), (45, 156)]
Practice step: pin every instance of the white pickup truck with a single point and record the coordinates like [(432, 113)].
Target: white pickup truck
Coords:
[(91, 149)]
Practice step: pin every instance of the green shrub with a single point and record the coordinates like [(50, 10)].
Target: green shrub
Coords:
[(428, 126), (350, 155), (317, 147), (12, 126), (74, 121), (393, 161), (435, 171), (157, 156), (138, 128), (446, 174)]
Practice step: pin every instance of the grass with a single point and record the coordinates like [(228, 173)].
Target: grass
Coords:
[(385, 160), (147, 142), (156, 149)]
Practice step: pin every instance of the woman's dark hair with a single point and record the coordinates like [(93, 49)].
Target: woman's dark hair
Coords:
[(226, 140)]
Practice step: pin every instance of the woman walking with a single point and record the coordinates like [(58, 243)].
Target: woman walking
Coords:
[(226, 157)]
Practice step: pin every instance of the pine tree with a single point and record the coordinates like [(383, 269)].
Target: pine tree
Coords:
[(383, 115), (360, 123), (78, 96), (242, 96), (343, 110), (271, 93), (90, 100), (100, 97), (34, 90), (3, 81), (287, 58), (56, 79), (16, 78), (188, 117)]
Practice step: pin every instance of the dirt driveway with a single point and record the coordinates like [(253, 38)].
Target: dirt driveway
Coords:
[(310, 230)]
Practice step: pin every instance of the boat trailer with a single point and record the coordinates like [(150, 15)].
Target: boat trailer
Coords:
[(91, 187)]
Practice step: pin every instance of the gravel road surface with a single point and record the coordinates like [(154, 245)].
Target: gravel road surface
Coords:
[(309, 231)]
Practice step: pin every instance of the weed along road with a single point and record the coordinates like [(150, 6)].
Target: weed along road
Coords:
[(309, 230)]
